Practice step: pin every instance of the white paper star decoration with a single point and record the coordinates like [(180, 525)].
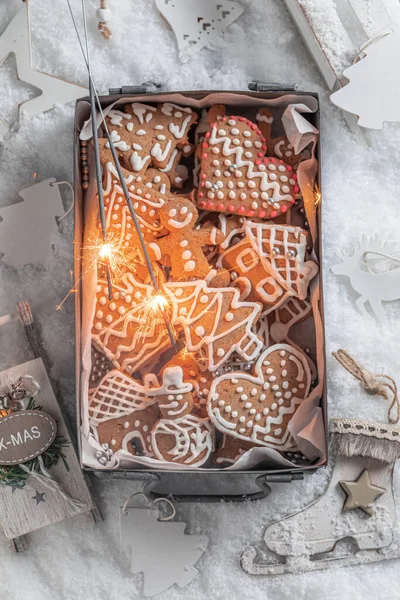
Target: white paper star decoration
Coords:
[(16, 39), (374, 83), (198, 23)]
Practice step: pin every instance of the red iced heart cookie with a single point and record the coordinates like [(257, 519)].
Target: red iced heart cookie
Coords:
[(236, 177)]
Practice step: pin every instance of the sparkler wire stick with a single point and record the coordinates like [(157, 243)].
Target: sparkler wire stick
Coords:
[(96, 149), (93, 96), (99, 183)]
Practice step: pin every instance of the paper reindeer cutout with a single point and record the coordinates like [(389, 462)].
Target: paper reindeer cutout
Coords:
[(373, 287)]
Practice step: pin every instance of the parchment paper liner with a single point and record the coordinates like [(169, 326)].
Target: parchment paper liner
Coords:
[(307, 425)]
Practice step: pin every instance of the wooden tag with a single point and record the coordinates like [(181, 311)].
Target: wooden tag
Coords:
[(24, 435)]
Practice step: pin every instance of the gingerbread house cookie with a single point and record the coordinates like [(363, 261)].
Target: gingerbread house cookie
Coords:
[(269, 264)]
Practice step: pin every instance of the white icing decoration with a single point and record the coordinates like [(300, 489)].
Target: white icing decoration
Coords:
[(137, 161), (189, 266), (116, 117), (156, 249), (179, 131), (170, 162), (158, 154), (264, 118), (180, 224), (167, 108), (140, 110), (141, 132)]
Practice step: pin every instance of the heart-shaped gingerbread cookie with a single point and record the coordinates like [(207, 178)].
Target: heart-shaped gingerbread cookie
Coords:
[(236, 177), (258, 407)]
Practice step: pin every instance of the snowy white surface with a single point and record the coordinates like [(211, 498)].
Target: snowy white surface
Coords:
[(360, 195)]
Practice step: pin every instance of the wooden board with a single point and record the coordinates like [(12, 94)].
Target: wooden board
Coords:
[(34, 506)]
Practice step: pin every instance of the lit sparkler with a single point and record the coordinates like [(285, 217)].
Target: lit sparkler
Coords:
[(94, 99)]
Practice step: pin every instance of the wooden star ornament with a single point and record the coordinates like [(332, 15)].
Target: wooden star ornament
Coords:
[(16, 40), (361, 493)]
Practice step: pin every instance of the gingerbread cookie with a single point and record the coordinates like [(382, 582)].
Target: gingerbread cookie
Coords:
[(175, 171), (146, 201), (101, 365), (144, 134), (268, 264), (193, 374), (174, 396), (237, 178), (153, 178), (130, 432), (258, 408), (179, 436), (184, 244), (230, 450), (188, 440), (292, 311), (123, 330), (214, 321), (117, 395)]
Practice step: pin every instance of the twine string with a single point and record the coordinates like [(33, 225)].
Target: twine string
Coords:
[(383, 385), (49, 482)]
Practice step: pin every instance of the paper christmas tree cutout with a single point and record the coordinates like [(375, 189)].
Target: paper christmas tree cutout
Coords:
[(198, 23), (374, 87), (160, 550), (16, 39), (27, 227)]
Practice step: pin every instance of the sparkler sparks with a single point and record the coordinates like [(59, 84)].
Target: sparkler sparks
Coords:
[(105, 251), (317, 195), (154, 314)]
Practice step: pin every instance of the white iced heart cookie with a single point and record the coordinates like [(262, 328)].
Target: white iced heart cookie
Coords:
[(258, 407)]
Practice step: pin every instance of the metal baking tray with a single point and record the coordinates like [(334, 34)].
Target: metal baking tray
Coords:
[(210, 485)]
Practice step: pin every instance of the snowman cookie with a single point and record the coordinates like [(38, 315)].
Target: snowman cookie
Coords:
[(179, 436)]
